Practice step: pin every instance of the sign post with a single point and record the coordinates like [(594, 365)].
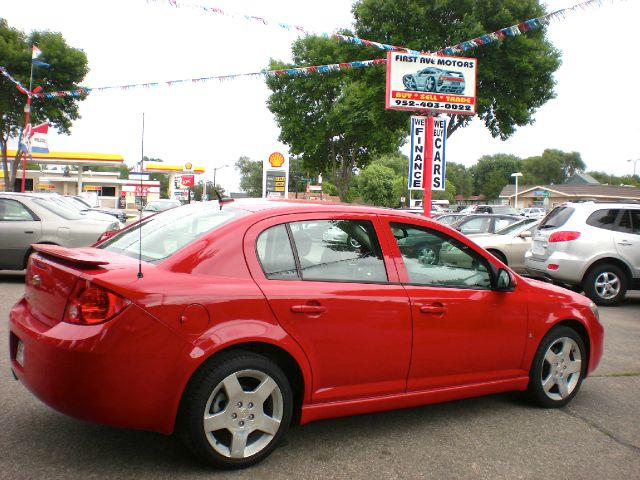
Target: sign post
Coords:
[(275, 177)]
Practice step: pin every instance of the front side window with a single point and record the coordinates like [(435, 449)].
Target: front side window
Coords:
[(435, 259), (630, 222), (324, 250)]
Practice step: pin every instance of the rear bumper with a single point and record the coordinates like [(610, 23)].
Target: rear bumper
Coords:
[(96, 373), (569, 271)]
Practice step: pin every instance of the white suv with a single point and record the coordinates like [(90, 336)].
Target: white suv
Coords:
[(592, 246)]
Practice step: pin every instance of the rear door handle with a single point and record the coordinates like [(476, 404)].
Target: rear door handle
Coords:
[(308, 309), (433, 308)]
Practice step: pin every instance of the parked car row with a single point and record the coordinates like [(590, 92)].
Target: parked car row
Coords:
[(30, 218)]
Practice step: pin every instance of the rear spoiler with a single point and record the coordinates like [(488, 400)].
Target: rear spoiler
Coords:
[(81, 256)]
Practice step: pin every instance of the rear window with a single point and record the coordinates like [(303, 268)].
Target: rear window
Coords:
[(163, 235), (556, 218)]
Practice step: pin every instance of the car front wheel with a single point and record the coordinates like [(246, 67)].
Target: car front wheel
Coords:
[(558, 368), (605, 284), (235, 412)]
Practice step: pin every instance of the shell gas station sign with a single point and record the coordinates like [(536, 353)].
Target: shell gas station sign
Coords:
[(275, 176)]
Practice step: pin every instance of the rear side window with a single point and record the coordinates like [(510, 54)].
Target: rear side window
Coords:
[(630, 222), (556, 218), (324, 250), (605, 218), (12, 211)]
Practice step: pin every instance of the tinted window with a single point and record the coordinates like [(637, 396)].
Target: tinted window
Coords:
[(435, 259), (556, 218), (630, 222), (68, 213), (605, 218)]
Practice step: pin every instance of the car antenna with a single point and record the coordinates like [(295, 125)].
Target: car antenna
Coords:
[(221, 200), (140, 275)]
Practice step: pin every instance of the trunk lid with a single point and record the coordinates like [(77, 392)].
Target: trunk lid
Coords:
[(53, 272)]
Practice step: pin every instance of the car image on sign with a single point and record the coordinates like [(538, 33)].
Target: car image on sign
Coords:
[(435, 80)]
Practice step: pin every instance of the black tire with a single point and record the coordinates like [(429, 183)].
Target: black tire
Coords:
[(430, 84), (606, 284), (409, 82), (427, 255), (499, 255), (225, 393), (558, 368)]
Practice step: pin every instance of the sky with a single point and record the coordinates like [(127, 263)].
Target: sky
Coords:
[(214, 123)]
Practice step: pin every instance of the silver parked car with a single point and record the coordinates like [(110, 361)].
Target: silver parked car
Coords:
[(160, 205), (28, 218), (590, 246), (510, 243)]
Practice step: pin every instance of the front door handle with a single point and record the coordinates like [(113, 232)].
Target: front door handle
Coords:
[(433, 308), (308, 309)]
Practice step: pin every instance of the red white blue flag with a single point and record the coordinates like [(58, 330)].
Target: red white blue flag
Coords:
[(38, 141)]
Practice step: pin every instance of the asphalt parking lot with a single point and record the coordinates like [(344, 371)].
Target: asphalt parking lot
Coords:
[(596, 436)]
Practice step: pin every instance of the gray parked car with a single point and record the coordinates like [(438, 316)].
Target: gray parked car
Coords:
[(589, 246), (484, 223), (28, 218)]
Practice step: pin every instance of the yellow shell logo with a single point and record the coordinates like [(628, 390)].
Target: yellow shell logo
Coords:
[(276, 159), (188, 166)]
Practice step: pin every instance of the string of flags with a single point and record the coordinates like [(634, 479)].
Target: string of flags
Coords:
[(498, 35)]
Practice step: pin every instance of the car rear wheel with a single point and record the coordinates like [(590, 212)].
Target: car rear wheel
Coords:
[(605, 284), (427, 256), (558, 368), (234, 413)]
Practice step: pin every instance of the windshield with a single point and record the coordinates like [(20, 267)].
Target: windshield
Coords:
[(163, 235), (58, 208), (514, 227)]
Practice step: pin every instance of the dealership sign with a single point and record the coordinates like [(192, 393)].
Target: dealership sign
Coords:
[(431, 83), (426, 160)]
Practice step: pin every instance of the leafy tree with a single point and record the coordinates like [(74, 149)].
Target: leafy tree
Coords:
[(515, 76), (201, 187), (570, 163), (609, 179), (542, 170), (335, 121), (376, 185), (68, 67), (250, 176), (493, 172), (460, 177), (449, 192)]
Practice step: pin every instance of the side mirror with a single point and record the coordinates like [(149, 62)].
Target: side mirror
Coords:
[(525, 234), (504, 281)]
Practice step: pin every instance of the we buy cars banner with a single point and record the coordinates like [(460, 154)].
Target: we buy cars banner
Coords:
[(431, 83)]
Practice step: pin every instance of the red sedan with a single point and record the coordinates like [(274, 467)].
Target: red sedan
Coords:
[(225, 323)]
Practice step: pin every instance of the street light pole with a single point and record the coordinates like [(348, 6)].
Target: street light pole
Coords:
[(215, 169), (634, 165), (516, 175)]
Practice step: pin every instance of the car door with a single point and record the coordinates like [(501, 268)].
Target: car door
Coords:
[(463, 331), (627, 238), (20, 228), (339, 299)]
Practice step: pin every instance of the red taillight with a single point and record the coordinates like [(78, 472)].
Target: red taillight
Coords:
[(106, 235), (563, 236), (90, 304)]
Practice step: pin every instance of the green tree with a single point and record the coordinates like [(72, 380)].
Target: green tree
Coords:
[(250, 176), (515, 76), (493, 172), (542, 170), (68, 67), (570, 163), (461, 178), (449, 192), (336, 121), (376, 185)]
